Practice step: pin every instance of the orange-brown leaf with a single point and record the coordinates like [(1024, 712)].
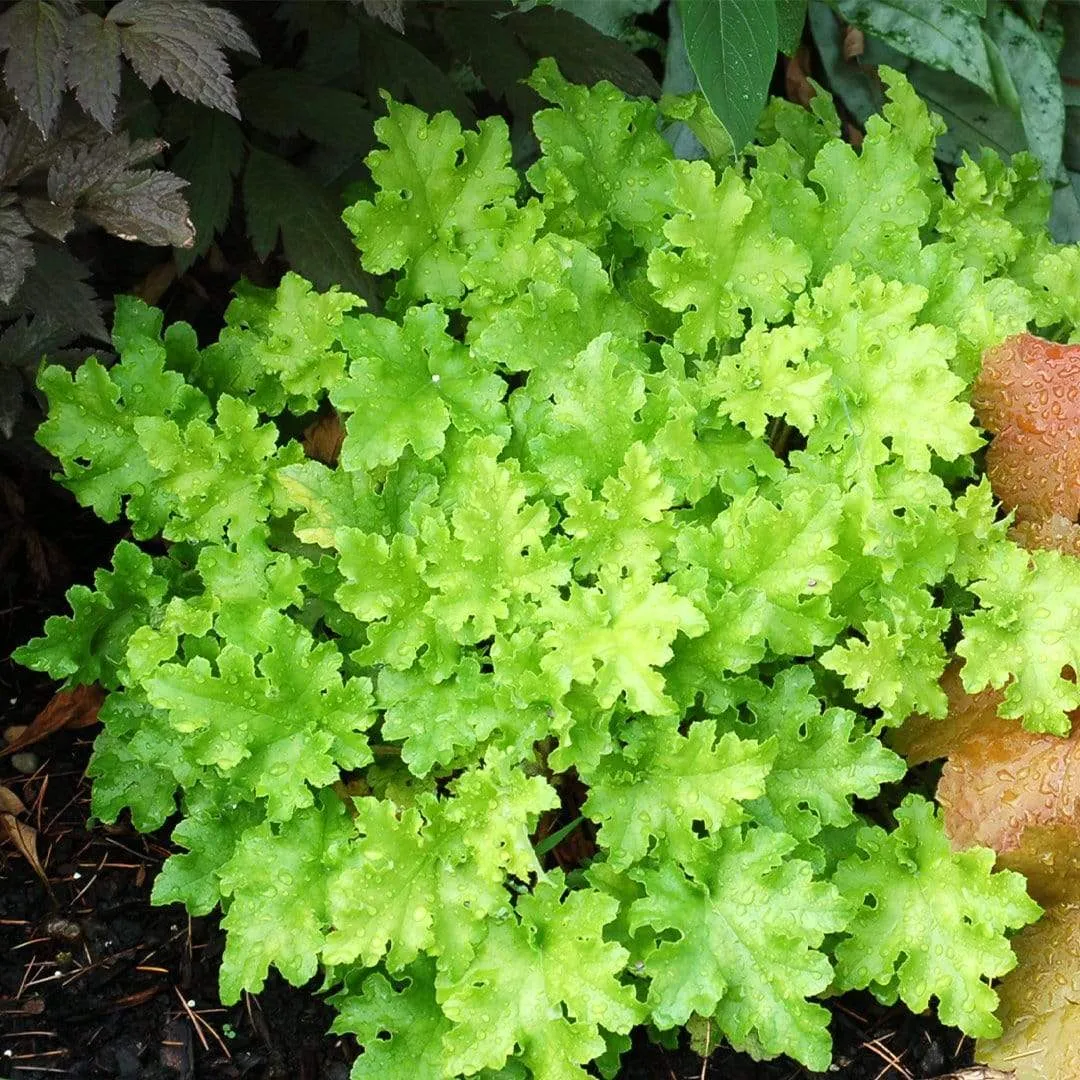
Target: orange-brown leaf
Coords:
[(1012, 790), (1052, 532), (1028, 395), (1040, 1002), (75, 708)]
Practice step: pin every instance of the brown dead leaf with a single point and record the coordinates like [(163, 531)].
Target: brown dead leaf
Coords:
[(10, 803), (323, 439), (24, 839), (1040, 1002), (75, 708), (854, 43), (797, 86)]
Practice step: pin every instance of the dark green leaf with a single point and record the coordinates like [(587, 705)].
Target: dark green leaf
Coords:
[(34, 34), (11, 403), (790, 21), (583, 54), (494, 54), (144, 205), (732, 48), (610, 17), (284, 102), (57, 221), (388, 62), (940, 33), (182, 44), (55, 292), (281, 199), (1032, 9), (16, 253), (1034, 73), (212, 155), (94, 66)]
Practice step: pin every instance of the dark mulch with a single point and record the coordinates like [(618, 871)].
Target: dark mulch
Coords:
[(94, 982)]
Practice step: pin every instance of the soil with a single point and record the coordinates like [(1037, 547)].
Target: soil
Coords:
[(95, 982)]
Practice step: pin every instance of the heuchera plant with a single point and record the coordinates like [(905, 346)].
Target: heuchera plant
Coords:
[(656, 504)]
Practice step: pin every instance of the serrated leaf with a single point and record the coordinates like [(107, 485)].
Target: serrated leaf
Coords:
[(101, 179), (938, 920), (55, 291), (732, 48), (280, 199), (16, 251), (750, 922), (94, 65), (543, 981), (182, 44), (660, 784), (34, 34), (209, 160), (144, 205), (285, 102)]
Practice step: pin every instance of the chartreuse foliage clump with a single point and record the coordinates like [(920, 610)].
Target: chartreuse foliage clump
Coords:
[(657, 503)]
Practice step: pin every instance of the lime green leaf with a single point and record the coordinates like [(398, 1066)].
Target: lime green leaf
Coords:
[(604, 163), (90, 645), (904, 401), (730, 261), (938, 920), (762, 573), (425, 880), (1018, 637), (442, 192), (93, 416), (267, 922), (492, 555), (137, 765), (823, 757), (750, 922), (615, 635), (211, 838), (660, 782), (543, 982), (399, 1027), (582, 435), (440, 721), (293, 724), (625, 528), (294, 335), (217, 473), (770, 376), (566, 300), (406, 384)]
